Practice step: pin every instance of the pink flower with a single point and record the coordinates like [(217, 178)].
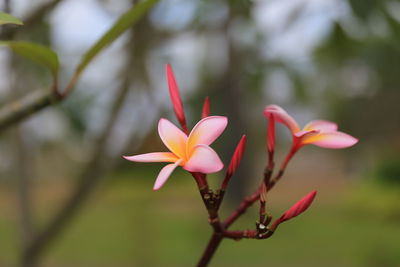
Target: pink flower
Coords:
[(320, 133), (190, 152), (298, 208)]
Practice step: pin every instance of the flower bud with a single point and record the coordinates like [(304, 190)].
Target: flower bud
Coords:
[(298, 208)]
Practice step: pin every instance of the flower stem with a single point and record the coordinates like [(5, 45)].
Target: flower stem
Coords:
[(209, 252)]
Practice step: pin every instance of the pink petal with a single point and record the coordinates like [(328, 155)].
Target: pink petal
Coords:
[(323, 126), (172, 137), (153, 157), (175, 97), (280, 115), (164, 174), (333, 140), (204, 159), (206, 131), (305, 134)]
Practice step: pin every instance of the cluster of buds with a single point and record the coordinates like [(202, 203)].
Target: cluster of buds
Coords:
[(192, 151)]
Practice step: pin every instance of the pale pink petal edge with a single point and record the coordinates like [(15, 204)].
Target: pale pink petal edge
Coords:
[(281, 116), (321, 125), (153, 157), (164, 175), (206, 131), (333, 140)]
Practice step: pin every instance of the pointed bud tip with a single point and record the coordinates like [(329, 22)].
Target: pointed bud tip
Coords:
[(206, 108), (298, 208), (175, 97), (237, 156)]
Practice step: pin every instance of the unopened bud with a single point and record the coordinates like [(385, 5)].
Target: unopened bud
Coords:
[(298, 208), (206, 108)]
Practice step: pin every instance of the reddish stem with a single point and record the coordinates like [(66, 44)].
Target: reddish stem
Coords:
[(210, 249), (247, 202), (220, 230)]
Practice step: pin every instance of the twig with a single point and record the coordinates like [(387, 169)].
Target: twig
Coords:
[(20, 109), (22, 167), (90, 176), (217, 236)]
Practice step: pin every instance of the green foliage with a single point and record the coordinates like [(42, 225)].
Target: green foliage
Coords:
[(126, 21), (364, 8), (8, 19), (388, 170), (35, 52), (339, 48)]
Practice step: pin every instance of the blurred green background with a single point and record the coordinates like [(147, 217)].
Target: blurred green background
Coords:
[(337, 60)]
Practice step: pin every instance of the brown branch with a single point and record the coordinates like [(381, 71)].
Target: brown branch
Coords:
[(218, 236), (22, 167), (243, 206), (210, 249), (90, 176), (251, 234), (248, 201), (20, 109)]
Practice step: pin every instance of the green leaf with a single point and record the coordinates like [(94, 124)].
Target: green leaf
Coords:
[(126, 21), (8, 19), (35, 52)]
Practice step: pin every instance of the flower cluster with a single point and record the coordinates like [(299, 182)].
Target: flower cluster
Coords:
[(193, 153)]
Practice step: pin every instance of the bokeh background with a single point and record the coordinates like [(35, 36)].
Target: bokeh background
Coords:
[(319, 59)]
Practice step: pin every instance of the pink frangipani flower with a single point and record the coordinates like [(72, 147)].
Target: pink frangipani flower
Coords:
[(319, 132), (191, 152)]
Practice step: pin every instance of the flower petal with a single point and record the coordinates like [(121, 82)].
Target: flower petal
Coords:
[(305, 134), (280, 115), (206, 131), (322, 125), (333, 140), (164, 174), (153, 157), (204, 159), (172, 137)]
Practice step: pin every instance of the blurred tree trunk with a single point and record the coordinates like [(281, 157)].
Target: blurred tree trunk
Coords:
[(99, 164), (230, 92)]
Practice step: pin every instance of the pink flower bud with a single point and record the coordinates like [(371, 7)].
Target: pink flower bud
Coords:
[(271, 136), (176, 98), (235, 161), (206, 108), (298, 208)]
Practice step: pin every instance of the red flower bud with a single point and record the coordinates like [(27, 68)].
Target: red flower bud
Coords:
[(176, 98), (206, 108), (235, 161), (298, 208)]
